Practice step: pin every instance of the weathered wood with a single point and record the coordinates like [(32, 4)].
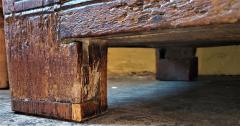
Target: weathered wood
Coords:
[(3, 60), (11, 6), (69, 78), (122, 16), (147, 23), (176, 63), (200, 36)]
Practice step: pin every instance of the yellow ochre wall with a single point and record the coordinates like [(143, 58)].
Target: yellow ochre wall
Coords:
[(130, 60), (212, 61), (219, 60)]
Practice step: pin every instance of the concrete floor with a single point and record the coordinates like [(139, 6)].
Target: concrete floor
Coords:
[(141, 101)]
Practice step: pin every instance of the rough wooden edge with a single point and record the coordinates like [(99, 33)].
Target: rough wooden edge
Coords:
[(23, 6), (58, 110), (199, 36)]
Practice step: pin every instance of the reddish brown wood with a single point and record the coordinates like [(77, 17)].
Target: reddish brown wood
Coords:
[(87, 18), (144, 15), (3, 61), (175, 64), (46, 73), (22, 5)]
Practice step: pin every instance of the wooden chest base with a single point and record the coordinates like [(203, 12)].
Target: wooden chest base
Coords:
[(86, 96), (58, 110)]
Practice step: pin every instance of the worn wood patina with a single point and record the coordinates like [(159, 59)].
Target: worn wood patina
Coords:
[(3, 60), (57, 49)]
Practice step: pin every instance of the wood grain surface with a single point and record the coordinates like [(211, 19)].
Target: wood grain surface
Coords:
[(3, 60), (45, 73), (94, 18)]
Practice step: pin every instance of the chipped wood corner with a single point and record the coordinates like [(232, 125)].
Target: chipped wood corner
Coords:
[(76, 112)]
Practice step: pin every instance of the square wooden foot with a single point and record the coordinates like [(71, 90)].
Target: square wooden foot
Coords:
[(174, 64), (88, 92), (53, 79)]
